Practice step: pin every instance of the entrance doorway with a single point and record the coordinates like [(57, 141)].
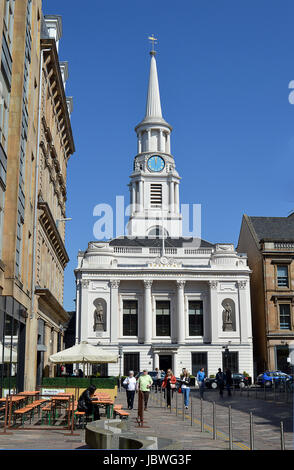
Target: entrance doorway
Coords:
[(165, 362), (282, 353)]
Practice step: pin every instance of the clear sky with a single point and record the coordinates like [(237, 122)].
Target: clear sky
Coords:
[(224, 68)]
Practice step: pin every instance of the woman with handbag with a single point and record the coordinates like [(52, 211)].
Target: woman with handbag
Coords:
[(185, 386), (169, 384)]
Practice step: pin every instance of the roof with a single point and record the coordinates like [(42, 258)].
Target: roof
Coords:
[(273, 228), (157, 242)]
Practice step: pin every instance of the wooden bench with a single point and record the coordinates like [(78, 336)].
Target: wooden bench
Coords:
[(47, 411), (79, 415), (22, 412), (121, 413)]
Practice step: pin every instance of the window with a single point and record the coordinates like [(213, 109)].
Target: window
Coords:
[(130, 318), (195, 318), (282, 276), (131, 362), (163, 318), (155, 195), (285, 317), (231, 361), (199, 360)]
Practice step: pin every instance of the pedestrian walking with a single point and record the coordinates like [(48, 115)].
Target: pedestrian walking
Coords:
[(169, 384), (220, 379), (229, 381), (157, 380), (130, 385), (144, 384), (185, 386), (201, 381)]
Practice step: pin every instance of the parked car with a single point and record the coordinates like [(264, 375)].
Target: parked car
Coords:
[(267, 378), (239, 380)]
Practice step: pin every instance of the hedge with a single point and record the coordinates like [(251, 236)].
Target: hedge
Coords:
[(79, 382), (5, 382)]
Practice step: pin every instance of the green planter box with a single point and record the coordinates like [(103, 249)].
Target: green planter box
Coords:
[(79, 382)]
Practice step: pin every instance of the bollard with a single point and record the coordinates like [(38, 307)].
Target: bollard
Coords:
[(161, 398), (10, 411), (247, 391), (191, 411), (177, 404), (72, 400), (282, 435), (230, 429), (214, 420), (201, 414), (251, 431), (264, 391), (183, 409), (6, 417)]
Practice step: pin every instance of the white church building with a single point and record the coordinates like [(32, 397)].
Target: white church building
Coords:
[(154, 297)]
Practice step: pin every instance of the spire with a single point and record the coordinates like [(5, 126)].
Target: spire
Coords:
[(153, 106)]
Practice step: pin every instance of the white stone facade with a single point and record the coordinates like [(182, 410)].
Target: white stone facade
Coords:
[(178, 288), (117, 273)]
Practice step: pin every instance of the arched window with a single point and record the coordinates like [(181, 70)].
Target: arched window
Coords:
[(157, 231)]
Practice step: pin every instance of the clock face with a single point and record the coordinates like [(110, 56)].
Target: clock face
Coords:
[(155, 163)]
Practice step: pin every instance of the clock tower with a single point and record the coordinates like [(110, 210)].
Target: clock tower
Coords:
[(154, 186)]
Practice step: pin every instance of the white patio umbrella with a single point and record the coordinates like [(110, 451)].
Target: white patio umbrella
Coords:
[(83, 353)]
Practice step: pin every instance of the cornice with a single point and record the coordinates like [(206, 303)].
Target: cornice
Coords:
[(52, 60), (49, 226)]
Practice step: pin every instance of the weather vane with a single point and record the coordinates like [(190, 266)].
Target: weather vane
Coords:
[(153, 41)]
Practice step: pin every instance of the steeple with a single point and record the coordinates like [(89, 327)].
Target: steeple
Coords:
[(153, 114), (154, 186), (153, 105)]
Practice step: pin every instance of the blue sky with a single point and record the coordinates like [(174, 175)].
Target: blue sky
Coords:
[(224, 67)]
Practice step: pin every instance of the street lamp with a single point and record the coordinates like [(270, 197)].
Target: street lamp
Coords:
[(120, 356)]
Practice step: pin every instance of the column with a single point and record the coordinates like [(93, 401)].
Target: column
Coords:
[(177, 198), (161, 141), (147, 312), (78, 310), (171, 196), (168, 143), (133, 197), (155, 360), (244, 314), (148, 140), (181, 311), (140, 195), (213, 311), (114, 311), (84, 310), (140, 142)]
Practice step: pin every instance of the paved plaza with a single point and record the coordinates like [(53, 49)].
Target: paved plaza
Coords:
[(185, 430)]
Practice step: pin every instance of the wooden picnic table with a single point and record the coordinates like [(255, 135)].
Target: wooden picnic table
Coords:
[(29, 394), (107, 402), (59, 401)]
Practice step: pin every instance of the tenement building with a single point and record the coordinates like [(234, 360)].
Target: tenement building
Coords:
[(154, 297), (269, 243), (35, 145)]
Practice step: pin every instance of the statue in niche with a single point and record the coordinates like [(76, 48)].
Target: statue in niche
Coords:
[(227, 317), (99, 317)]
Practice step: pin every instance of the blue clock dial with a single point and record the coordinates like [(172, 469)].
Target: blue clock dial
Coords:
[(155, 163)]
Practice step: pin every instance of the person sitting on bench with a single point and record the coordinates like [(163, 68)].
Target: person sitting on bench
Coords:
[(85, 403)]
